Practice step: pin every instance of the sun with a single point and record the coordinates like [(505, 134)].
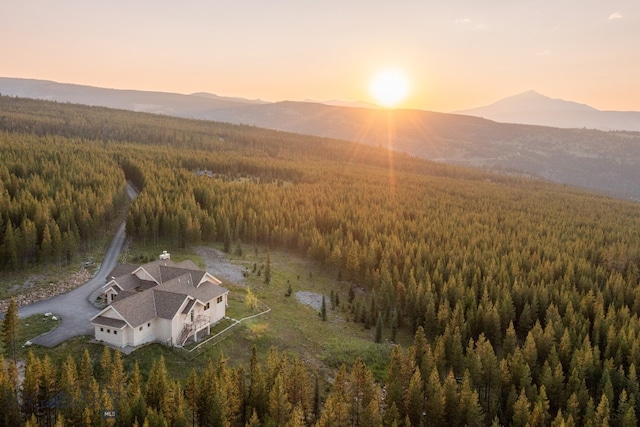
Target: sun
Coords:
[(389, 88)]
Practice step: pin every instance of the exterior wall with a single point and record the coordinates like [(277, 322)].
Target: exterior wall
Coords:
[(163, 330), (111, 314), (177, 324), (144, 333), (109, 296), (110, 335), (143, 275), (218, 309)]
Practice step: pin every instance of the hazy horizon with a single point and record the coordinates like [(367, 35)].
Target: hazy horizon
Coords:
[(456, 56)]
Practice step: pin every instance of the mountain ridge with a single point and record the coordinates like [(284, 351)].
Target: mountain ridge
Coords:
[(606, 162), (533, 108)]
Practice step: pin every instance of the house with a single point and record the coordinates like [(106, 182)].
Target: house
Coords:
[(159, 301)]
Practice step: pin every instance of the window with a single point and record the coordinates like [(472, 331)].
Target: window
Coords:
[(101, 329), (115, 332), (219, 300), (140, 328), (206, 306), (149, 325), (108, 331)]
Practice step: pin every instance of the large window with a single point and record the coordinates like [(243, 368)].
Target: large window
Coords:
[(219, 300)]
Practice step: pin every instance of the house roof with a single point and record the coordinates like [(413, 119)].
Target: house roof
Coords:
[(142, 300), (167, 303), (136, 309), (185, 284), (108, 321), (122, 269)]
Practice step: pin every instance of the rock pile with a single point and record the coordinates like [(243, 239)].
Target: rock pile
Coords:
[(50, 290)]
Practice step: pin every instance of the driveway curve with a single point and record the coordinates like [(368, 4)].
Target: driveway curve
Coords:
[(74, 307)]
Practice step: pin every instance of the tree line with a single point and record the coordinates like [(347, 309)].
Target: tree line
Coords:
[(524, 291)]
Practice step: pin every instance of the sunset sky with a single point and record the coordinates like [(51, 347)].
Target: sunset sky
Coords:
[(456, 54)]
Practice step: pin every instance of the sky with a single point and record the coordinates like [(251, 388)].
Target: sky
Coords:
[(456, 54)]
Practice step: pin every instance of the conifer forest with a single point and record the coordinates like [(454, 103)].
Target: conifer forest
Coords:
[(523, 297)]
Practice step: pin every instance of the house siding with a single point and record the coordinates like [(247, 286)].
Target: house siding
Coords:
[(163, 330), (147, 334), (161, 303), (106, 334)]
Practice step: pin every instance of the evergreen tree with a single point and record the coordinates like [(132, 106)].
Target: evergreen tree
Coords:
[(10, 414), (10, 247), (323, 309), (257, 398), (279, 406), (267, 269), (378, 338), (48, 390), (416, 400), (10, 325), (158, 387), (31, 387), (394, 325), (191, 393)]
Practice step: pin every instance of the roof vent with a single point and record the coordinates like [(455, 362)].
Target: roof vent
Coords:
[(165, 255)]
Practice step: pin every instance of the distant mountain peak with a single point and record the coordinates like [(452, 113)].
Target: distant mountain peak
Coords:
[(533, 108), (533, 101)]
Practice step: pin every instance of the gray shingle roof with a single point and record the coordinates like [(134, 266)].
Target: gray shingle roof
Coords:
[(143, 300), (137, 309), (107, 321), (167, 303)]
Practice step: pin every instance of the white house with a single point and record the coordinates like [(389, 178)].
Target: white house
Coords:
[(159, 301)]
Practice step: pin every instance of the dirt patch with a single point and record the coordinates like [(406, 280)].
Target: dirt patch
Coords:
[(219, 264), (311, 299), (48, 291)]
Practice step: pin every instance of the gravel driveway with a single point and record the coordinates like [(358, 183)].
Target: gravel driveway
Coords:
[(73, 307)]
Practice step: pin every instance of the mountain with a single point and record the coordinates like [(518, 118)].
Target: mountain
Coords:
[(195, 106), (607, 162), (535, 109), (229, 98), (339, 103)]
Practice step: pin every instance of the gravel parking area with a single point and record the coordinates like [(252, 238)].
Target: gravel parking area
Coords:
[(218, 264)]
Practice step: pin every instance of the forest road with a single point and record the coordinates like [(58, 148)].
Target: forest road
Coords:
[(74, 307)]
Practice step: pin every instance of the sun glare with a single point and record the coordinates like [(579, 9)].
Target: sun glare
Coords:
[(389, 88)]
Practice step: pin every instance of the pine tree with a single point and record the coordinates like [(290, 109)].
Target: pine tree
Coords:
[(191, 392), (10, 247), (227, 236), (10, 414), (323, 309), (137, 405), (298, 386), (48, 390), (254, 421), (361, 391), (378, 338), (434, 395), (104, 367), (158, 387), (257, 398), (521, 412), (70, 391), (10, 325), (267, 269), (279, 406), (394, 325), (336, 408), (603, 413), (31, 387), (415, 400)]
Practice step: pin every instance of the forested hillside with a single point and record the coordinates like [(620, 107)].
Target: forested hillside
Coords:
[(523, 296)]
